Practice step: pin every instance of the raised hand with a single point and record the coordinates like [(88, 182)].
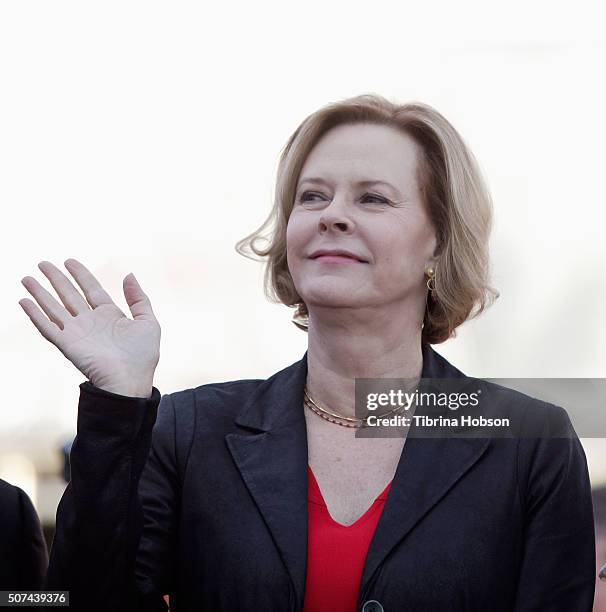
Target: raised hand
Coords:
[(114, 352)]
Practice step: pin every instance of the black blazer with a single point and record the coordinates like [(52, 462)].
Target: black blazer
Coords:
[(23, 552), (215, 513)]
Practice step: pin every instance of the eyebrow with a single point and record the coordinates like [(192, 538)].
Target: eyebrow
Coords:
[(367, 183)]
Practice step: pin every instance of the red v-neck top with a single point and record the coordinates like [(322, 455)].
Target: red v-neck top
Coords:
[(336, 553)]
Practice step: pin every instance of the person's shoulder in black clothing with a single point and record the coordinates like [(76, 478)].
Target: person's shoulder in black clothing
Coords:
[(23, 552)]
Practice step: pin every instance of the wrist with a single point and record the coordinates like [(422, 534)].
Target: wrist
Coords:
[(130, 389)]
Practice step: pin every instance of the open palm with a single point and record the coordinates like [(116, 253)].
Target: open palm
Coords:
[(113, 351)]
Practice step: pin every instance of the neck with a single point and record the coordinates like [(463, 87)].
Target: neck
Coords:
[(343, 347)]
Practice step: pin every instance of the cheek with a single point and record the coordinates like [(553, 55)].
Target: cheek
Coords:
[(295, 242), (297, 234), (291, 234), (400, 253)]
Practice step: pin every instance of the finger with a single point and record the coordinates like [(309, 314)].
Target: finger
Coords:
[(47, 328), (54, 311), (70, 296), (137, 300), (91, 287)]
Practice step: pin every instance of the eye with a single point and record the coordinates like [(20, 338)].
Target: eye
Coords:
[(381, 199), (308, 195), (305, 196)]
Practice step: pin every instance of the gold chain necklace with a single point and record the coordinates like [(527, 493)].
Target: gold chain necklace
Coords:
[(331, 416)]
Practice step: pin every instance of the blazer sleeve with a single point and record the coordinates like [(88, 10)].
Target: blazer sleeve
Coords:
[(100, 516), (558, 566)]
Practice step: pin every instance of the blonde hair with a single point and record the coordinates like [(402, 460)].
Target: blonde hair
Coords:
[(454, 192)]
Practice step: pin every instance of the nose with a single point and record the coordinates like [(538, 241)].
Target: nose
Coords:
[(335, 218)]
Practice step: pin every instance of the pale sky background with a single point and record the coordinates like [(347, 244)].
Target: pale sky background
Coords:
[(144, 137)]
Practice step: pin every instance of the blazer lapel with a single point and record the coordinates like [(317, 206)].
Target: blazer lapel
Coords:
[(272, 459), (428, 468)]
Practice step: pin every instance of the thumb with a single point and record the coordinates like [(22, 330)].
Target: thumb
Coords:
[(137, 300)]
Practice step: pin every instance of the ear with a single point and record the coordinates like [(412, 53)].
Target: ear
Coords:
[(432, 262), (437, 251)]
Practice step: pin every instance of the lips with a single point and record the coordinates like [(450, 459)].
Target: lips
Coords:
[(336, 259), (336, 255)]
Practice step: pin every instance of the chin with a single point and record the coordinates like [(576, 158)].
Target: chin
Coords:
[(330, 289), (330, 299)]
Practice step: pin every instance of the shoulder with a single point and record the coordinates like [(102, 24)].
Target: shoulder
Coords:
[(12, 495), (530, 416), (15, 505), (549, 454), (204, 413), (217, 401), (9, 495)]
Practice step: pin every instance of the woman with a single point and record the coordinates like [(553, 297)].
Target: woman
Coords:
[(259, 494)]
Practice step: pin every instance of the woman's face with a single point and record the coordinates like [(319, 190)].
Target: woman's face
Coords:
[(358, 191)]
